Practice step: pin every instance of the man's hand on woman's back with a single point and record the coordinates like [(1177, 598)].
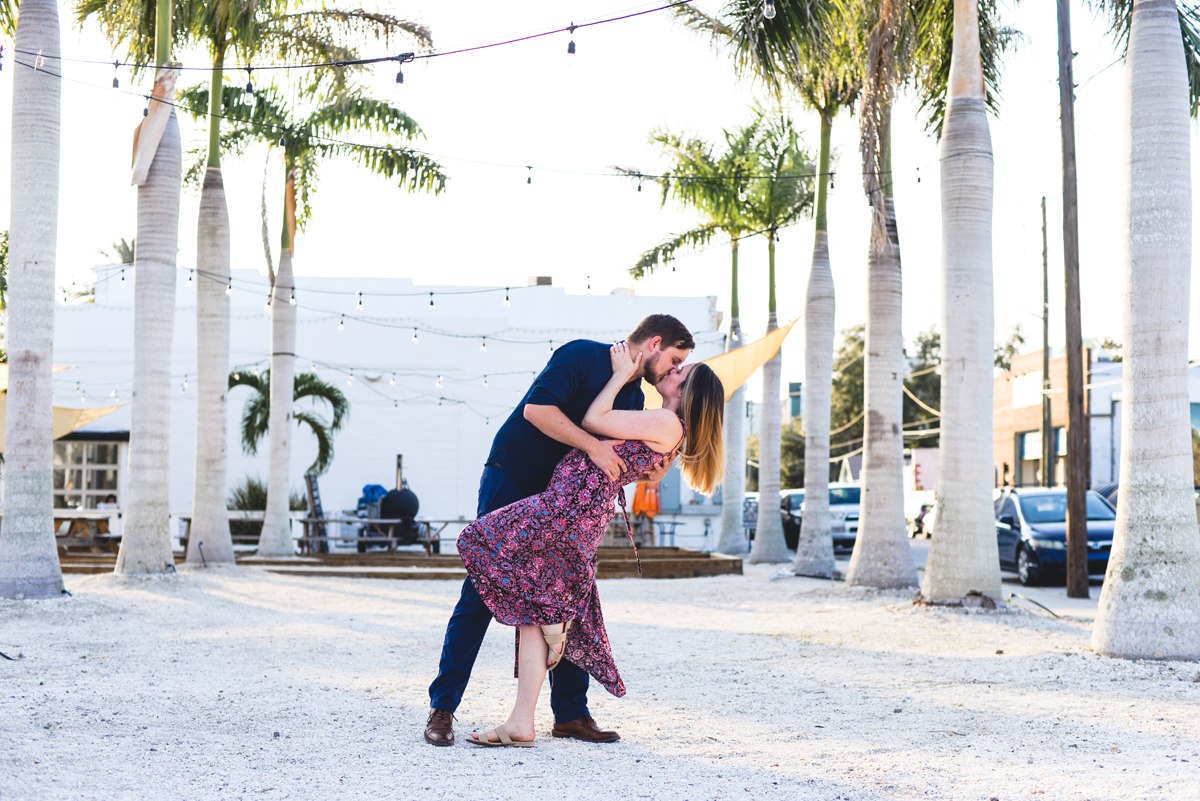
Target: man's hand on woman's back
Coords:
[(604, 457)]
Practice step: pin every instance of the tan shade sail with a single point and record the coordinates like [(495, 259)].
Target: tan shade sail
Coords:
[(735, 367), (65, 420)]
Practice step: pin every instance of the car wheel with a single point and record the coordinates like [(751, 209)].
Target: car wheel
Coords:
[(1027, 571)]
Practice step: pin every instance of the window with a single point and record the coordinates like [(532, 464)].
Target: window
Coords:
[(86, 474), (1052, 508), (842, 495)]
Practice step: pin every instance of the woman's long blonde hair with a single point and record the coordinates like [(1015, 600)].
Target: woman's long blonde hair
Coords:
[(702, 407)]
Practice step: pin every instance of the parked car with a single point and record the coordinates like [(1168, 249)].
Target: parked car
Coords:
[(750, 513), (1031, 532), (843, 511)]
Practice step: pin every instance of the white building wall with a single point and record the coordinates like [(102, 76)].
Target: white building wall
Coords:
[(443, 433)]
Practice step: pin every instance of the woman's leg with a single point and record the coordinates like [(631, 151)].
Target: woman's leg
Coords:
[(531, 673)]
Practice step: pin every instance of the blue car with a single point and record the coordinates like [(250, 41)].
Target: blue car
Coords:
[(1031, 531)]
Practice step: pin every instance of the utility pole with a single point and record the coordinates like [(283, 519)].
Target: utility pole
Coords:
[(1077, 455), (1048, 448)]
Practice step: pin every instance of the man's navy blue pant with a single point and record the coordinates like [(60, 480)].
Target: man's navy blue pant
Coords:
[(470, 619)]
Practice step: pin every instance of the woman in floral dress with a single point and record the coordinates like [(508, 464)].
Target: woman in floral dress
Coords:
[(533, 562)]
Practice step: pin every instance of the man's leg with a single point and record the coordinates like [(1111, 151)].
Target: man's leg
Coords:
[(568, 692), (464, 635)]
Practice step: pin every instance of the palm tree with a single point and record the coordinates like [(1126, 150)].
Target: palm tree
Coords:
[(700, 180), (779, 193), (305, 141), (256, 416), (148, 31), (1149, 606), (799, 50), (28, 559), (964, 556)]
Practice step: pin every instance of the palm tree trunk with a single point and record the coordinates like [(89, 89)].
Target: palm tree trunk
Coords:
[(146, 536), (209, 541), (1149, 605), (814, 551), (769, 544), (964, 557), (733, 487), (882, 557), (28, 560), (276, 539)]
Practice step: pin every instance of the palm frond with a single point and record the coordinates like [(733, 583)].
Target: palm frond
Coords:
[(310, 385), (324, 441), (8, 18), (660, 255), (130, 24), (256, 413)]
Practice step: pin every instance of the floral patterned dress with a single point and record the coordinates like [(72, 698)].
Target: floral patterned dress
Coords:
[(533, 562)]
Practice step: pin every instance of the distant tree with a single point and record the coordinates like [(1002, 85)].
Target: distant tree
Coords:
[(752, 463), (791, 455), (256, 417), (1005, 351), (3, 270), (122, 252), (846, 406), (925, 383), (251, 496), (1113, 347)]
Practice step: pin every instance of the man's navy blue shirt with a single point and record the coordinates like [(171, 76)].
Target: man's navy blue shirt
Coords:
[(571, 380)]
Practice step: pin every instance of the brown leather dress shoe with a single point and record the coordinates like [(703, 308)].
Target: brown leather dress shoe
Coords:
[(439, 729), (585, 729)]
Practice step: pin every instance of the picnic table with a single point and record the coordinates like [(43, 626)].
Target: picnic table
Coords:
[(382, 528), (86, 528)]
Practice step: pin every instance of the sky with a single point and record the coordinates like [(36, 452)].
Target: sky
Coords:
[(488, 114)]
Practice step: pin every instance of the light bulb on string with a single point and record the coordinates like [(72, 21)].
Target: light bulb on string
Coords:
[(113, 394), (189, 281), (742, 195), (359, 306), (431, 300), (402, 59), (292, 299), (831, 179), (350, 380), (438, 385), (257, 372), (485, 380), (395, 404), (552, 347), (918, 175), (529, 175), (483, 345), (267, 308), (248, 97), (393, 381), (415, 341), (228, 287), (506, 296), (184, 389), (312, 366), (342, 323), (122, 276), (769, 9), (116, 83), (236, 375), (571, 44)]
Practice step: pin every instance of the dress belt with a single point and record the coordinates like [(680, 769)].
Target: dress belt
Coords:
[(629, 530)]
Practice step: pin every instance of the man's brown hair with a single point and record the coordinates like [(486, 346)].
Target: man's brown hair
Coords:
[(674, 333)]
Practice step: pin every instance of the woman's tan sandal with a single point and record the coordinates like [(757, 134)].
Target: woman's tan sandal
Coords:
[(553, 640), (504, 741)]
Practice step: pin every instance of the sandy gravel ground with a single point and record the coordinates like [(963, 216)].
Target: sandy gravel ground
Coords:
[(234, 683)]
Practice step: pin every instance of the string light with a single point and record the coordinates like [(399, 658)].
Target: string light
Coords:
[(529, 175), (256, 372), (438, 385), (184, 384), (189, 281), (505, 296), (552, 347), (393, 381), (918, 175), (113, 394), (769, 9), (483, 344), (359, 307), (116, 83), (248, 97), (236, 375), (431, 300), (342, 323), (267, 308), (122, 276), (415, 341), (228, 287), (350, 380), (292, 299), (571, 44), (402, 59), (485, 381)]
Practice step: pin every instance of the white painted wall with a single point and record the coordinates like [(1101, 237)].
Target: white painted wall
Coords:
[(444, 446)]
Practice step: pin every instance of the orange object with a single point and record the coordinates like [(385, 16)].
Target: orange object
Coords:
[(647, 501)]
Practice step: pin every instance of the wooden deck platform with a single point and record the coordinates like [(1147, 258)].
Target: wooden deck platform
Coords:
[(614, 562)]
